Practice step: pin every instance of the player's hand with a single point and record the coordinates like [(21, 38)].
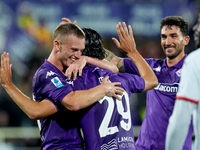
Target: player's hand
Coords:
[(5, 70), (112, 88), (126, 40), (76, 68), (64, 20)]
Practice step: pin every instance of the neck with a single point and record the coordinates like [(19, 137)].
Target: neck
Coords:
[(172, 62), (54, 61)]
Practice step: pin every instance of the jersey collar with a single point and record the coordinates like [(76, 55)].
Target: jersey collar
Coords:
[(177, 65)]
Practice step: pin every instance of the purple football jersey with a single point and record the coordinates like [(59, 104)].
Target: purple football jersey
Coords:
[(107, 124), (60, 130), (159, 104)]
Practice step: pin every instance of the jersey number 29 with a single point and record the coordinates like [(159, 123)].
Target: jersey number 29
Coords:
[(104, 128)]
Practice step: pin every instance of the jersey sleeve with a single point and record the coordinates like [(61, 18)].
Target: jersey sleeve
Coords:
[(135, 82), (190, 80), (53, 87), (130, 67)]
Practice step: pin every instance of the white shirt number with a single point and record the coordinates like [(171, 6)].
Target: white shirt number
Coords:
[(125, 123)]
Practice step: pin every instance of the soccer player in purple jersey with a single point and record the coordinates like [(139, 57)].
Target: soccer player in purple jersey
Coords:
[(160, 100), (187, 100), (53, 94), (56, 120), (107, 124), (51, 84)]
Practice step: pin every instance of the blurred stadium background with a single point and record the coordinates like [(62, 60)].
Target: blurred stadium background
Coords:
[(25, 32)]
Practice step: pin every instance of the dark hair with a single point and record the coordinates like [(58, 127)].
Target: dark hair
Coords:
[(177, 21), (63, 30), (93, 44)]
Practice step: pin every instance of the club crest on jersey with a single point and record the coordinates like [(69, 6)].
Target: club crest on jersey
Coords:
[(56, 81), (179, 72)]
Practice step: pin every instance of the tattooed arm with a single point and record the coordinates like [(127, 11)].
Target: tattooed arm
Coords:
[(117, 61)]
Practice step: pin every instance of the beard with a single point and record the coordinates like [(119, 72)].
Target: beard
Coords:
[(176, 53), (178, 49)]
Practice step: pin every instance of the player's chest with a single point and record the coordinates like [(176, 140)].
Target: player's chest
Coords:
[(168, 75)]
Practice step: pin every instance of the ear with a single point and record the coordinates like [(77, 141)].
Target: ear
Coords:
[(56, 45), (186, 40)]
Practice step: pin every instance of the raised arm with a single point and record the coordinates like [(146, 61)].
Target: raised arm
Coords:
[(127, 44), (34, 110)]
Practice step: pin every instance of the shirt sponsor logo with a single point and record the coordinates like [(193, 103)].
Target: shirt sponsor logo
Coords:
[(179, 72), (172, 88), (56, 81), (125, 139), (111, 145), (119, 143), (50, 73)]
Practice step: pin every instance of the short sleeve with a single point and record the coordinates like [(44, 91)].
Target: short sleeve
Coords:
[(135, 82), (53, 87)]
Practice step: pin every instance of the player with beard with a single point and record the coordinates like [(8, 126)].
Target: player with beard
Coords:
[(160, 100)]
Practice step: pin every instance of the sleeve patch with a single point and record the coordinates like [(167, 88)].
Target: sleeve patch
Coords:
[(56, 81)]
